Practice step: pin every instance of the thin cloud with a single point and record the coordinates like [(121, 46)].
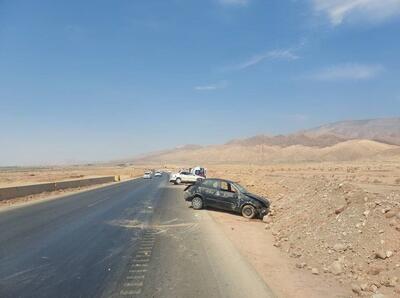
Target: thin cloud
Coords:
[(280, 54), (339, 11), (211, 87), (234, 2), (350, 71)]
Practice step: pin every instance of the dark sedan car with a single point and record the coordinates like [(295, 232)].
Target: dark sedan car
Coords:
[(226, 195)]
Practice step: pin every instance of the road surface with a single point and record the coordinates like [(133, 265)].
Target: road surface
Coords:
[(133, 239)]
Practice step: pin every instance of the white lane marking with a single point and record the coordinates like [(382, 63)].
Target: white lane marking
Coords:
[(143, 251), (135, 277), (170, 221), (133, 284), (137, 270), (146, 255), (130, 292), (139, 265)]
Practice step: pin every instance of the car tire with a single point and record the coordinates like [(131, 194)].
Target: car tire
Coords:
[(178, 181), (248, 211), (197, 203)]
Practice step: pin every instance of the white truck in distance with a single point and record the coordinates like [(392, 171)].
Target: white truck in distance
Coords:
[(184, 177)]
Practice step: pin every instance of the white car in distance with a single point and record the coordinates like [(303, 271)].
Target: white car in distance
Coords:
[(184, 177), (157, 174), (147, 175)]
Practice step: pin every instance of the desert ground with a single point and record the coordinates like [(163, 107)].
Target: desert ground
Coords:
[(333, 229), (338, 221)]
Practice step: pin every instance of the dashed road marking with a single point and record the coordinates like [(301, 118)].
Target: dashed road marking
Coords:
[(137, 270), (139, 265), (133, 284), (135, 277), (130, 292), (143, 254)]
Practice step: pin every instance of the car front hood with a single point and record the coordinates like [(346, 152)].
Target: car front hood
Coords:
[(258, 198)]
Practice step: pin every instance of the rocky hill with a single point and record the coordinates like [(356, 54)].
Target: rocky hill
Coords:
[(233, 153), (381, 130), (290, 140), (341, 141)]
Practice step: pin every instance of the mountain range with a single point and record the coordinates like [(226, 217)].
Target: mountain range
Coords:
[(340, 141)]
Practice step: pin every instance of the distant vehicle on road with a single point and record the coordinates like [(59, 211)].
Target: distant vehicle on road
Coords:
[(184, 177), (157, 174), (226, 195), (147, 175)]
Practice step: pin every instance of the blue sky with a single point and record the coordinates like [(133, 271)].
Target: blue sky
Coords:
[(99, 80)]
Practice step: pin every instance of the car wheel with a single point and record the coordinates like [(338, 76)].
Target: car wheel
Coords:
[(248, 211), (178, 181), (197, 203)]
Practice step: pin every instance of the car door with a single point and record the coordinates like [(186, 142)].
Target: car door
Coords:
[(226, 196), (191, 178), (184, 176), (209, 190)]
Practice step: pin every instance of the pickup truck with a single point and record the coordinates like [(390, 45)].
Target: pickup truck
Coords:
[(184, 177)]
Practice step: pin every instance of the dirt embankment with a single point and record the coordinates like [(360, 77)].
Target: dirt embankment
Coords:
[(339, 222)]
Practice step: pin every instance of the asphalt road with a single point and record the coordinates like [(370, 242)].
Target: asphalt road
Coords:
[(134, 239)]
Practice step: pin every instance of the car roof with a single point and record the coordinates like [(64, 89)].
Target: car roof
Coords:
[(219, 179)]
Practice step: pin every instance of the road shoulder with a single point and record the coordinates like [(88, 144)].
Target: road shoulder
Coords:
[(255, 244)]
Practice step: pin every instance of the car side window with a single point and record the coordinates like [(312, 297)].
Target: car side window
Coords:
[(210, 184), (225, 186)]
